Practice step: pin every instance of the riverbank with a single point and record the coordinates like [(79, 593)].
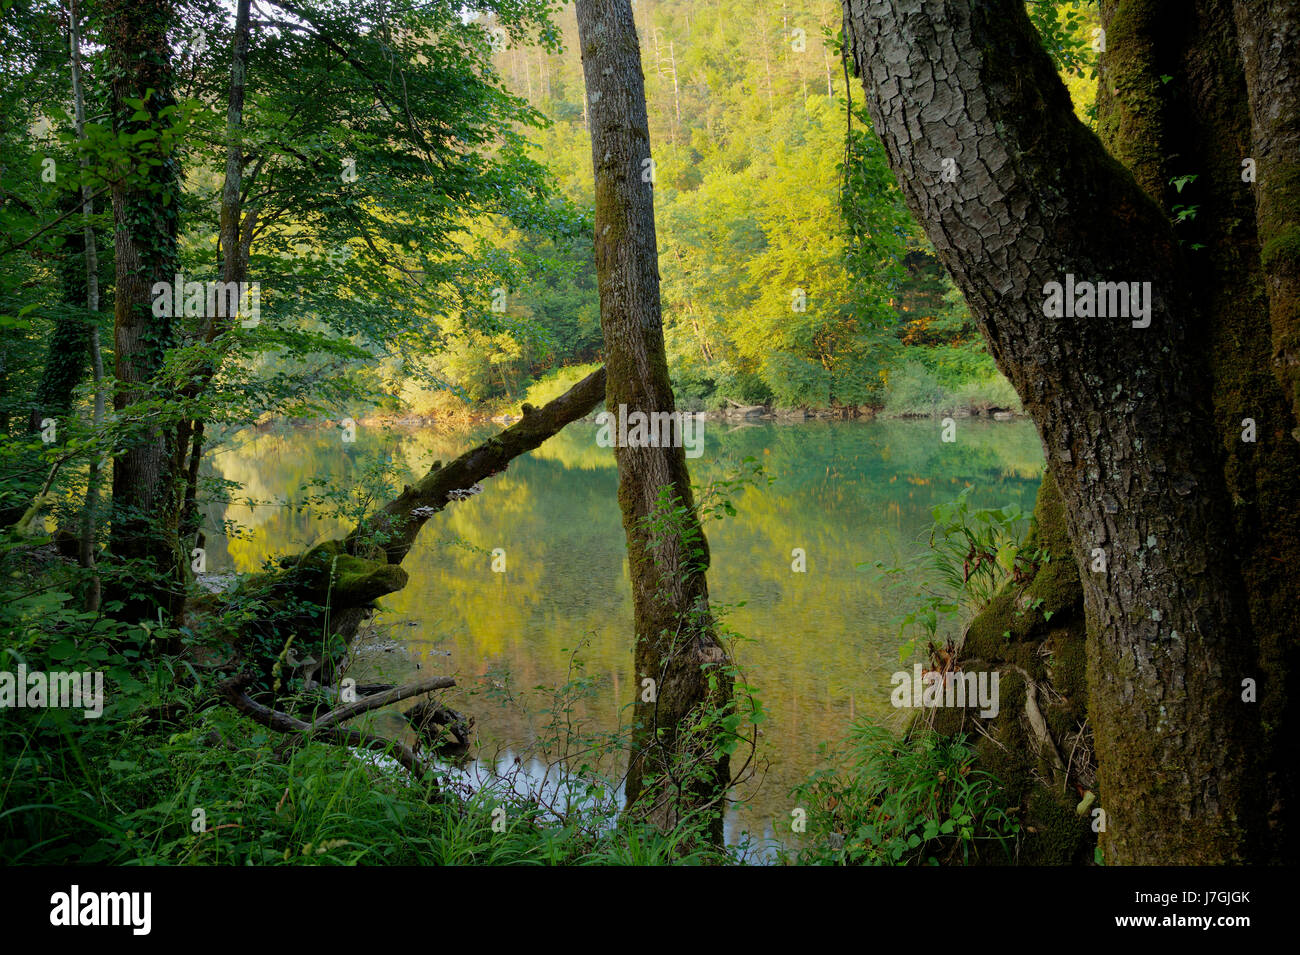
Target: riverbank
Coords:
[(910, 391), (740, 414)]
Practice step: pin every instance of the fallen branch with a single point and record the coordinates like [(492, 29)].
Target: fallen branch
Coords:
[(391, 530), (375, 701), (233, 690), (428, 720)]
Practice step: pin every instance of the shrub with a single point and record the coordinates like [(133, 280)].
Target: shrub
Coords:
[(985, 394), (911, 800), (553, 384), (914, 391)]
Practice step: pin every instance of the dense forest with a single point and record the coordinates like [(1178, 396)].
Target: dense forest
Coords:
[(407, 451)]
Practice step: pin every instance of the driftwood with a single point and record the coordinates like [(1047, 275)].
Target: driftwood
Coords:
[(746, 411), (428, 720), (234, 690)]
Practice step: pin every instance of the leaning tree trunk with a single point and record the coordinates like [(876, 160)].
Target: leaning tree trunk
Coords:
[(1119, 403), (333, 586), (675, 767), (145, 212)]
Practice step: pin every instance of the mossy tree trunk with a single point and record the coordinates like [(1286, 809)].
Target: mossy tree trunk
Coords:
[(1175, 77), (1124, 412), (674, 770), (146, 209), (1268, 32), (1172, 102), (334, 585)]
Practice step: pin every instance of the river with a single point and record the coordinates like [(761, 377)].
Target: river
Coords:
[(818, 645)]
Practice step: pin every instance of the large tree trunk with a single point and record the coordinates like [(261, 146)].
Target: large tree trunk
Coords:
[(1173, 100), (675, 768), (1269, 35), (1122, 410), (145, 212)]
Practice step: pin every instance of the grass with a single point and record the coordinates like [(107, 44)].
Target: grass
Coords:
[(212, 791)]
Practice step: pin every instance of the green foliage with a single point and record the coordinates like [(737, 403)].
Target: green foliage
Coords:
[(124, 788), (130, 796), (754, 311), (1065, 28), (984, 395), (555, 383), (970, 553), (916, 800), (914, 390)]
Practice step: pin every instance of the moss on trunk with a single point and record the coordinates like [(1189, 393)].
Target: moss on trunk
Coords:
[(1046, 646)]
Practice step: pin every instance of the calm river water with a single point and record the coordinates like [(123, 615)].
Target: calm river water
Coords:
[(820, 645)]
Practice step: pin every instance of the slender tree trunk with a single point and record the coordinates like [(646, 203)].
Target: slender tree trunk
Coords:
[(1119, 403), (145, 212), (89, 523), (69, 344), (234, 266), (674, 771)]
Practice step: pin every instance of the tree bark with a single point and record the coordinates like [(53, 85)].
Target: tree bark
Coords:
[(1174, 76), (1269, 35), (674, 770), (234, 267), (1121, 409), (1172, 101), (89, 520), (145, 211)]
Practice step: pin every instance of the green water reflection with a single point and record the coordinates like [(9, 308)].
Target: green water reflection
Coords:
[(822, 644)]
